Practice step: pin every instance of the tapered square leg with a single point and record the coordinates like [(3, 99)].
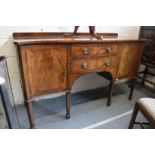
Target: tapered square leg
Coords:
[(111, 86), (68, 102), (134, 115), (30, 114)]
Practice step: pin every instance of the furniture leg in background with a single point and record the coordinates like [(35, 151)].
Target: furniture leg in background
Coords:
[(147, 72), (144, 75)]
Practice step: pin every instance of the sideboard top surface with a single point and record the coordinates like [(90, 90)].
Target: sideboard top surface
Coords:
[(66, 37)]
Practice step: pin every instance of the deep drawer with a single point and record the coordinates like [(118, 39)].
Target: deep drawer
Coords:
[(98, 64)]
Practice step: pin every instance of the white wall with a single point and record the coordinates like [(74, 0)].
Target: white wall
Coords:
[(89, 81)]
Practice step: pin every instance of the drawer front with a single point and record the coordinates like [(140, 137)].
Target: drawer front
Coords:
[(93, 50), (90, 65)]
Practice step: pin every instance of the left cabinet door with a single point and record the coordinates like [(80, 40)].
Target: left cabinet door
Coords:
[(44, 68)]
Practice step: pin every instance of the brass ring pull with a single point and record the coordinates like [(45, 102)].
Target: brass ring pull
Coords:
[(108, 50), (84, 65), (85, 51)]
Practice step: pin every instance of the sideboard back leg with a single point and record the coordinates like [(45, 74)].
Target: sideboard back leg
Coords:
[(30, 114), (111, 86), (68, 102), (133, 82)]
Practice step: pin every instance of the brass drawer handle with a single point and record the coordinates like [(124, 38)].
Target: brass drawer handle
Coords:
[(85, 51), (84, 65), (108, 50), (107, 63)]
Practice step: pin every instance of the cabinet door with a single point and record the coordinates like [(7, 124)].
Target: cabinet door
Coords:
[(44, 68), (129, 60)]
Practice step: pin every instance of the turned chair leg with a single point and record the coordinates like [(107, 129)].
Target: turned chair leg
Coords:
[(134, 115), (30, 114), (133, 83), (68, 102), (111, 86)]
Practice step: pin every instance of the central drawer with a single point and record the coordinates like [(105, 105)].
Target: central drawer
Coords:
[(93, 50), (94, 64)]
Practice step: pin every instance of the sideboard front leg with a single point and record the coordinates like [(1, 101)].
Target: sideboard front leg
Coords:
[(68, 102), (111, 86), (30, 114)]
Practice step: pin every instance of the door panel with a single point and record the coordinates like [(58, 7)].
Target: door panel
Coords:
[(45, 68), (130, 55)]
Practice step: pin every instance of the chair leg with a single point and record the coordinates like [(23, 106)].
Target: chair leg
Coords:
[(133, 82), (111, 86), (144, 75), (134, 115)]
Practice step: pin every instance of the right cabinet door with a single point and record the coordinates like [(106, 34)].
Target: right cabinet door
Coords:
[(129, 60)]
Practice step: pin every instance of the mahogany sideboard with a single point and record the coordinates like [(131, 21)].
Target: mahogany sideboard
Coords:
[(51, 62)]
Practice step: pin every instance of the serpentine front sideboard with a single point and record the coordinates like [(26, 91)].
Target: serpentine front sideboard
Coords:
[(51, 62)]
